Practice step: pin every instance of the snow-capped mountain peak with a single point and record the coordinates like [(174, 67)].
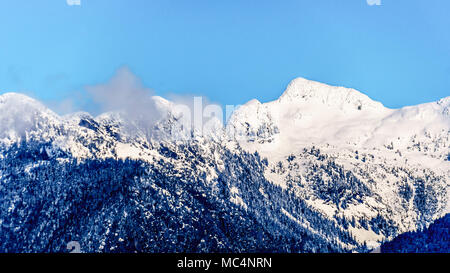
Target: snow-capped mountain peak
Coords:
[(312, 112), (19, 102), (301, 90), (21, 115), (365, 171)]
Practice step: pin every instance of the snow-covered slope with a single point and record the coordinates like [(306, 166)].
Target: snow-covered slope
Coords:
[(110, 135), (313, 125), (366, 171), (21, 116), (312, 113)]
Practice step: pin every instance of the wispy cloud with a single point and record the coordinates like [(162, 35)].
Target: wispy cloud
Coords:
[(124, 92)]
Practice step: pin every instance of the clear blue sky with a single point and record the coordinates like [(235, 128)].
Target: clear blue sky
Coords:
[(228, 50)]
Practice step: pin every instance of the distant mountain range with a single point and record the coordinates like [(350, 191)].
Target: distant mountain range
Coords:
[(321, 169)]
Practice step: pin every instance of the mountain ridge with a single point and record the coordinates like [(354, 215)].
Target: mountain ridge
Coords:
[(369, 172)]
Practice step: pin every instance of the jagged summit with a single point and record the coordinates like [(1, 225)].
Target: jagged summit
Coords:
[(304, 90), (310, 112)]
